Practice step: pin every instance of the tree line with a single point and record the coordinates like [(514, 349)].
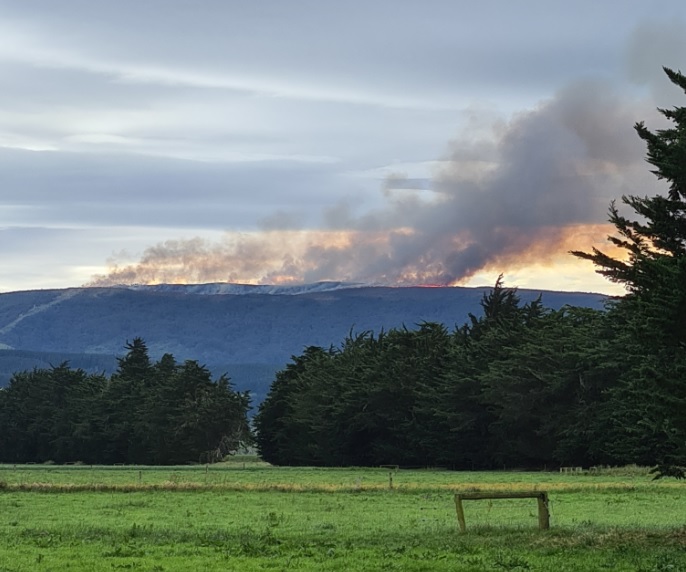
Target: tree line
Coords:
[(514, 387), (521, 385), (145, 413)]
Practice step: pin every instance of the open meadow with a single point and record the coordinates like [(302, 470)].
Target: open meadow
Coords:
[(246, 515)]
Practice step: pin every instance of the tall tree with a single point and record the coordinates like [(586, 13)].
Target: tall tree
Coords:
[(651, 396), (163, 413), (280, 435), (126, 394), (50, 415)]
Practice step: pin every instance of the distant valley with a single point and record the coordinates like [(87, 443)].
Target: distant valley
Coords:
[(248, 332)]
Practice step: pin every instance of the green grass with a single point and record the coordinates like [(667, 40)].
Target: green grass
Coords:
[(264, 518), (246, 472)]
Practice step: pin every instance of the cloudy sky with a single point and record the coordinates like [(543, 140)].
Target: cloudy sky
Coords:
[(384, 141)]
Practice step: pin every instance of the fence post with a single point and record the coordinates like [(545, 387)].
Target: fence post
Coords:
[(543, 512), (460, 513)]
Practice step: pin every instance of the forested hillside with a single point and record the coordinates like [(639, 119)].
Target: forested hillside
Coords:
[(227, 328), (246, 332)]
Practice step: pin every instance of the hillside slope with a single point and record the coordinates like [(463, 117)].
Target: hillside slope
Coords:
[(221, 325)]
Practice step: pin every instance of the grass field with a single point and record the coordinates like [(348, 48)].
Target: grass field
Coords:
[(249, 516)]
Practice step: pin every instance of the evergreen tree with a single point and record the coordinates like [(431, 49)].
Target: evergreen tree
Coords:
[(50, 415), (135, 366), (280, 436), (122, 415), (651, 394), (162, 413), (460, 418)]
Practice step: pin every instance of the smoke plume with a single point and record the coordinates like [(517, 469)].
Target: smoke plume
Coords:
[(503, 196)]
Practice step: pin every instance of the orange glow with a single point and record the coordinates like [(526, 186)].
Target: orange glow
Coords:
[(292, 257)]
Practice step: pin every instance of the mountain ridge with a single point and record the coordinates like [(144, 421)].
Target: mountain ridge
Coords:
[(224, 324)]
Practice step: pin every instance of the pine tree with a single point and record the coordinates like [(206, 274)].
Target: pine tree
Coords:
[(651, 395), (659, 235), (281, 436)]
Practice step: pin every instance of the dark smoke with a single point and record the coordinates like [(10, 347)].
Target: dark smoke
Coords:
[(493, 201)]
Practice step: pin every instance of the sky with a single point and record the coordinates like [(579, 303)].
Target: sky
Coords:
[(387, 142)]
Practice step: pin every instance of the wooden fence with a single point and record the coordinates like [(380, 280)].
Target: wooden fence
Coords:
[(540, 496)]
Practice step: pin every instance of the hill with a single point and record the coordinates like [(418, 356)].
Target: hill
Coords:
[(246, 331)]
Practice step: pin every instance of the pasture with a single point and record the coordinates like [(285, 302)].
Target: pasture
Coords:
[(248, 516)]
